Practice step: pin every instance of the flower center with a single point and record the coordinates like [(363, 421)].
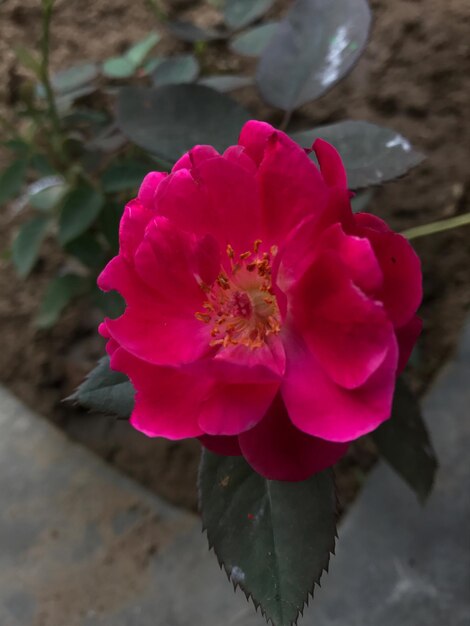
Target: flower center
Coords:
[(241, 306)]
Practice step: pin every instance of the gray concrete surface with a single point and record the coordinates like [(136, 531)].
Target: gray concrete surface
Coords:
[(81, 545)]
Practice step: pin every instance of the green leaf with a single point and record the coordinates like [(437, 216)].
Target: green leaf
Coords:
[(170, 120), (108, 224), (240, 13), (182, 68), (106, 391), (81, 207), (404, 442), (189, 32), (12, 180), (371, 154), (27, 244), (125, 175), (316, 44), (60, 292), (137, 53), (28, 60), (118, 67), (253, 42), (47, 198), (42, 165), (226, 82), (87, 250), (111, 303), (273, 539)]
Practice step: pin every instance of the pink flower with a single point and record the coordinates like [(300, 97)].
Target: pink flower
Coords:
[(262, 316)]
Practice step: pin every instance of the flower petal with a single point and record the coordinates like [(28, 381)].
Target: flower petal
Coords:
[(320, 407), (254, 138), (230, 408), (148, 189), (167, 400), (349, 333), (194, 157), (331, 164), (277, 450)]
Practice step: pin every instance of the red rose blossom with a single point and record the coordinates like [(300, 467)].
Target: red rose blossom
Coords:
[(262, 316)]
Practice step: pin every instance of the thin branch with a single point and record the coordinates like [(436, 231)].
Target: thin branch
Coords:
[(437, 227)]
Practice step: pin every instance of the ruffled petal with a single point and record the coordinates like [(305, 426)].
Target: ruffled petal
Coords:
[(367, 220), (225, 446), (232, 408), (167, 400), (194, 157), (320, 407), (402, 290), (239, 155), (132, 227), (243, 363), (254, 138), (277, 450), (291, 187), (407, 336), (331, 165), (148, 189), (349, 333)]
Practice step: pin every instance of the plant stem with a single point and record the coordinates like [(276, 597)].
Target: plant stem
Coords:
[(156, 9), (47, 6), (285, 120), (437, 227)]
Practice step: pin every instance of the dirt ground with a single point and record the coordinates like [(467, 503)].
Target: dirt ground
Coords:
[(414, 77)]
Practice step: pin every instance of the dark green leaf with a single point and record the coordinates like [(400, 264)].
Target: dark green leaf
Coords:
[(60, 292), (27, 244), (186, 31), (28, 60), (240, 13), (317, 43), (361, 200), (124, 175), (168, 121), (106, 391), (226, 82), (372, 154), (80, 209), (111, 303), (182, 68), (273, 539), (87, 250), (12, 180), (42, 165), (252, 42), (404, 442), (108, 224)]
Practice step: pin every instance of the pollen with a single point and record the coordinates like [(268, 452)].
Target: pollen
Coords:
[(241, 308)]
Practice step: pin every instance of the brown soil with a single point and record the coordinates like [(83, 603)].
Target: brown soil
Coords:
[(414, 77)]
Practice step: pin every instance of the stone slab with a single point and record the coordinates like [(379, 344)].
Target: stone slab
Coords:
[(82, 545)]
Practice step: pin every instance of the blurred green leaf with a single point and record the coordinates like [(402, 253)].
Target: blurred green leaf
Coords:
[(42, 165), (118, 67), (80, 209), (240, 13), (371, 154), (12, 180), (183, 68), (111, 303), (87, 250), (48, 198), (252, 42), (125, 175), (137, 53), (226, 82), (316, 44), (106, 391), (189, 32), (28, 60), (151, 64), (274, 539), (361, 201), (60, 292), (170, 120), (404, 442), (27, 244), (108, 224)]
